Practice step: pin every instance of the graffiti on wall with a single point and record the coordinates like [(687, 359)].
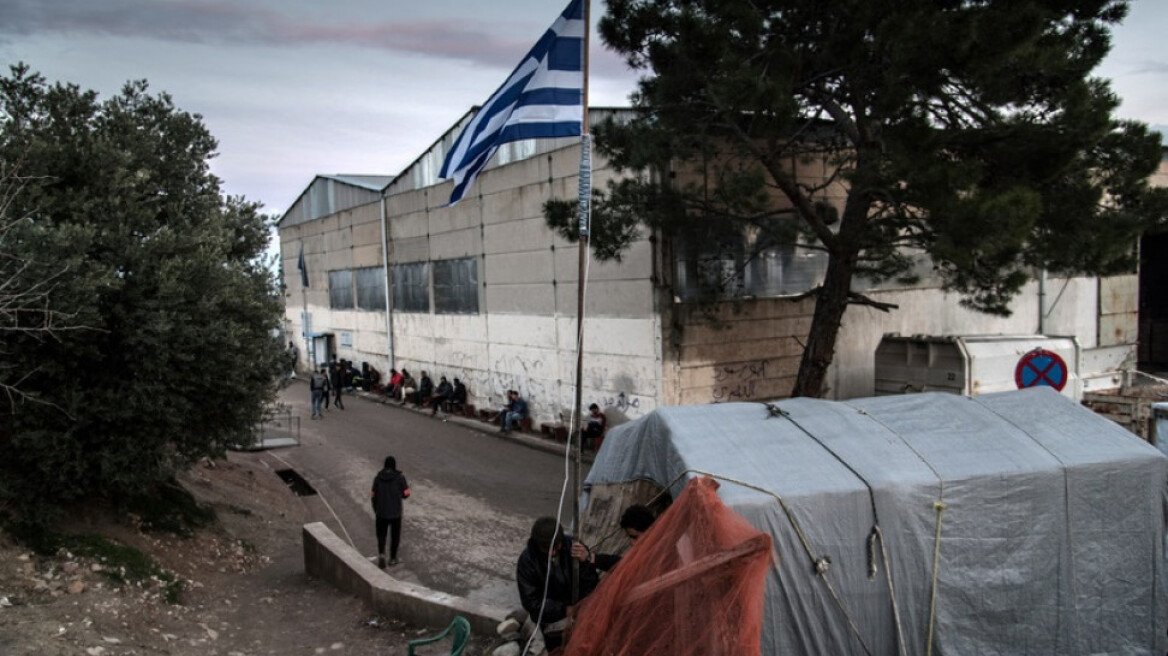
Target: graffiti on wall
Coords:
[(623, 402), (538, 380), (529, 377), (739, 381)]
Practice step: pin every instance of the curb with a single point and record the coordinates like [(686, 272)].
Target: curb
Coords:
[(330, 559), (528, 440)]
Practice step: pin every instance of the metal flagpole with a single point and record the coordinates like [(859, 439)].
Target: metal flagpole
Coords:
[(584, 216), (305, 323)]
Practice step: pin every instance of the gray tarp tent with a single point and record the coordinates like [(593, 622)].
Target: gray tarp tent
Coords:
[(1028, 523)]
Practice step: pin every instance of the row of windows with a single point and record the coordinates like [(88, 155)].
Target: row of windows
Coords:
[(777, 271), (456, 288)]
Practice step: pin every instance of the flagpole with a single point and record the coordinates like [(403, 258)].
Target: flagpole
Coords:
[(584, 221), (309, 347)]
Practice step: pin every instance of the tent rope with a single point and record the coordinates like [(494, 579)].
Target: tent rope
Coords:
[(878, 535), (940, 507), (774, 410)]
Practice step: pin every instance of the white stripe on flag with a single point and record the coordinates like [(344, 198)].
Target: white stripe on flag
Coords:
[(543, 97)]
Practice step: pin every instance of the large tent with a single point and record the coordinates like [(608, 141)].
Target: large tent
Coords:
[(1013, 523)]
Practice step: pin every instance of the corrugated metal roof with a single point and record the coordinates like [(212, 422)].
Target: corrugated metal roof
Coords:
[(370, 182), (331, 193), (423, 171)]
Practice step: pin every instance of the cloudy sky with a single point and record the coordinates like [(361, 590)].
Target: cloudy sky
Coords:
[(292, 88)]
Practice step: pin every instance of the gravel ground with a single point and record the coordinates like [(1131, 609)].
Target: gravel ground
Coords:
[(244, 588)]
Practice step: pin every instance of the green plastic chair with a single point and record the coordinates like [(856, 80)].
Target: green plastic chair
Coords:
[(460, 628)]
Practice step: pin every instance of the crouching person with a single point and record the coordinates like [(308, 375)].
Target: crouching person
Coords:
[(555, 599)]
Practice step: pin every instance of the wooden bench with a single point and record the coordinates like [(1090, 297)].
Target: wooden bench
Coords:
[(554, 431)]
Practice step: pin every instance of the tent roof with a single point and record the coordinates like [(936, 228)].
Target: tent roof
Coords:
[(812, 446), (1016, 523)]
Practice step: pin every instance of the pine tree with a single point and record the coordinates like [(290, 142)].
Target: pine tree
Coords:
[(967, 135)]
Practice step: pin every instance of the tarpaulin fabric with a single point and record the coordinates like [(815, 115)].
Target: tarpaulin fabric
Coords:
[(1012, 523)]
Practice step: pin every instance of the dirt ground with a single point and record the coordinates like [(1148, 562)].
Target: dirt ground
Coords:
[(245, 591)]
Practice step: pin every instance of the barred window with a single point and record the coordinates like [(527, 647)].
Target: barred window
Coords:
[(341, 289), (411, 289), (370, 288), (456, 286)]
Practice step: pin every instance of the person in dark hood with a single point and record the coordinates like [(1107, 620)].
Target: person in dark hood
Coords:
[(441, 395), (389, 489), (548, 542)]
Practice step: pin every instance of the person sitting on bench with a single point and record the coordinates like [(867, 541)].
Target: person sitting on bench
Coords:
[(457, 397), (594, 429), (515, 412), (441, 395)]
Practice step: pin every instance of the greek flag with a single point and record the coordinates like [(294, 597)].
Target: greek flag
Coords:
[(543, 98)]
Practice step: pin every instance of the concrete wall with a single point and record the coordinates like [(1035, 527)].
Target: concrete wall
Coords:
[(751, 350), (1072, 309), (740, 352), (330, 559), (642, 347), (350, 239), (524, 335)]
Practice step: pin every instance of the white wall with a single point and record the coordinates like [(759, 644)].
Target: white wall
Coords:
[(1071, 308), (524, 336)]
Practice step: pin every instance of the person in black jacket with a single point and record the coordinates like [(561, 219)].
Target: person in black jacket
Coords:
[(389, 488), (531, 572), (441, 395), (337, 382), (425, 389)]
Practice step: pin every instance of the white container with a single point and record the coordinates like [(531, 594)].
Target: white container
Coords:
[(975, 364), (1159, 432)]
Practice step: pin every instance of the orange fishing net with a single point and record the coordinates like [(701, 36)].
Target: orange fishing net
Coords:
[(693, 585)]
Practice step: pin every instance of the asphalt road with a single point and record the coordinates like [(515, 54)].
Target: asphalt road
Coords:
[(474, 493)]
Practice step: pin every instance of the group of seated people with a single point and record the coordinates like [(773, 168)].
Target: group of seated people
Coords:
[(342, 374), (451, 397), (446, 396)]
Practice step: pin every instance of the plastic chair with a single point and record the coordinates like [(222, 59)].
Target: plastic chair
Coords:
[(459, 627)]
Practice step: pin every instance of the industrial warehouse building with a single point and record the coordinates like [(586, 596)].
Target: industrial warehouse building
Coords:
[(486, 292)]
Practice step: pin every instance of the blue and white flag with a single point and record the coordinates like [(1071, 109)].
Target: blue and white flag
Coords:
[(543, 98)]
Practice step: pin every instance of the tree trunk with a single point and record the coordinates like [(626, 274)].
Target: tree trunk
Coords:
[(825, 325)]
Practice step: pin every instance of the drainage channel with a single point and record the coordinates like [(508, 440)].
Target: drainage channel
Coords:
[(296, 482)]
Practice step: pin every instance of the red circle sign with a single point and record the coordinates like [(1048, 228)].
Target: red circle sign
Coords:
[(1041, 367)]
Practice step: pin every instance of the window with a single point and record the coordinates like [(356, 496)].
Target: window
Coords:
[(776, 271), (411, 289), (341, 289), (370, 288), (456, 286)]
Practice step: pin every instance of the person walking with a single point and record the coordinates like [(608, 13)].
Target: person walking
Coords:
[(318, 388), (293, 356), (389, 489), (337, 380)]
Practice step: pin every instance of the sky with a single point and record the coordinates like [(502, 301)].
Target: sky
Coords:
[(293, 88)]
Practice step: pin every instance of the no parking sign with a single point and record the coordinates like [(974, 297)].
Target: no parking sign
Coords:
[(1041, 367)]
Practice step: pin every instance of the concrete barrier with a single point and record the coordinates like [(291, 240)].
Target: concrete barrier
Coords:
[(330, 559)]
